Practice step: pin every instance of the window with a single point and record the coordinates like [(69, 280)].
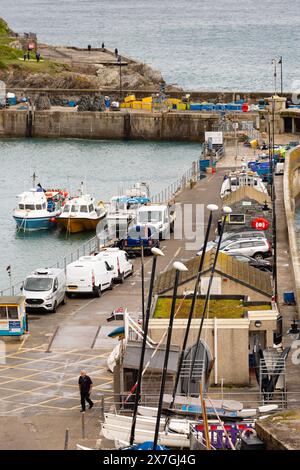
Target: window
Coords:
[(44, 205), (29, 207), (247, 244), (55, 285), (150, 216), (38, 284), (259, 243), (91, 208), (38, 207), (67, 208), (74, 208), (83, 209), (21, 206), (12, 313), (3, 314)]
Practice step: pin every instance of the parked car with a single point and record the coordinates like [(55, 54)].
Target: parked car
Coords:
[(138, 237), (232, 236), (120, 262), (89, 275), (258, 248), (261, 264), (45, 289)]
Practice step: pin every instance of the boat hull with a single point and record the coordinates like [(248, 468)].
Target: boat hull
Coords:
[(37, 223), (74, 225)]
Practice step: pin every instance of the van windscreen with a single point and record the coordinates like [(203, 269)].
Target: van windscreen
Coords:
[(150, 216), (38, 284)]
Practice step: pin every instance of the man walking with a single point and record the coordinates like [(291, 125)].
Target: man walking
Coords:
[(85, 387)]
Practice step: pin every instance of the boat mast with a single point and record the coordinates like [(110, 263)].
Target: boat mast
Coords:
[(33, 179)]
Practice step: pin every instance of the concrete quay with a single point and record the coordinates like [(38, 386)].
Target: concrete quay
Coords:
[(123, 125)]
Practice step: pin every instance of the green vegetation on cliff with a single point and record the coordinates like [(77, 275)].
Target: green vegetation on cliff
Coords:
[(4, 29)]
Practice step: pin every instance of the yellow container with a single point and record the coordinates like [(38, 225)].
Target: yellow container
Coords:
[(136, 105), (171, 101), (147, 106), (148, 99), (181, 106), (123, 105), (129, 98)]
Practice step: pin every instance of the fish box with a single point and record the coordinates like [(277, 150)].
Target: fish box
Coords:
[(136, 105), (129, 99), (148, 99), (195, 107), (181, 106), (147, 106)]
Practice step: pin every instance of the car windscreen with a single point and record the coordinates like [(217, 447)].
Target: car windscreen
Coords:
[(38, 284), (150, 216)]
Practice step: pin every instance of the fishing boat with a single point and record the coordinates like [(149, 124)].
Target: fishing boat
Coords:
[(238, 179), (81, 214), (38, 209), (123, 209)]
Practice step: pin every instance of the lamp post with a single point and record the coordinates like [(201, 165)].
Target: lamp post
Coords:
[(156, 252), (179, 267), (280, 62), (226, 211), (212, 208)]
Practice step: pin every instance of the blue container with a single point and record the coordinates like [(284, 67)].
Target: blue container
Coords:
[(12, 101), (196, 107), (289, 298), (72, 104), (204, 164), (107, 102)]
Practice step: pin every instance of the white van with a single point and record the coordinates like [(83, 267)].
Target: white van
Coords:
[(160, 216), (89, 275), (119, 260), (45, 289)]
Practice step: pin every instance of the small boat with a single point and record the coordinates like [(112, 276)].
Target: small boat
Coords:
[(38, 210), (238, 179), (81, 214), (123, 209)]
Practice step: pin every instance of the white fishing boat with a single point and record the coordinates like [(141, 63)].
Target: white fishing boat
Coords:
[(238, 179), (123, 208), (117, 433), (38, 209), (81, 213)]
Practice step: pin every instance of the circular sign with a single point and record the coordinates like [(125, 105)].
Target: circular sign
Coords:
[(245, 108), (260, 224)]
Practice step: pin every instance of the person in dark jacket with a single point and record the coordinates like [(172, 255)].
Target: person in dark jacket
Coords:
[(85, 387)]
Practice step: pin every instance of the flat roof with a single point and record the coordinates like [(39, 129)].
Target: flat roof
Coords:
[(131, 358), (11, 299)]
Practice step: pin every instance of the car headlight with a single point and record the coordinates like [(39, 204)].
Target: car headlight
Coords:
[(49, 297)]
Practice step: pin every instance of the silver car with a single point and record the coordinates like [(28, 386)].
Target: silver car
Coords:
[(257, 248)]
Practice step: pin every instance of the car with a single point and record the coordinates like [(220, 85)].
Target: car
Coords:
[(261, 264), (119, 260), (257, 248), (89, 275), (232, 236)]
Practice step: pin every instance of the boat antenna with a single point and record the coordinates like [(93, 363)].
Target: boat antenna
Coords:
[(81, 188), (33, 179)]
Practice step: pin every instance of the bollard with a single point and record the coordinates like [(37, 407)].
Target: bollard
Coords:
[(83, 425), (66, 439)]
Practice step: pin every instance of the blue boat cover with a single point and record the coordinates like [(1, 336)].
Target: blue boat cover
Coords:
[(148, 445), (133, 200)]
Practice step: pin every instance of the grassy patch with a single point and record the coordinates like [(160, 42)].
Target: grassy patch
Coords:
[(4, 29), (225, 308)]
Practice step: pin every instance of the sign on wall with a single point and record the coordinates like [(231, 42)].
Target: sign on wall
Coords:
[(216, 137)]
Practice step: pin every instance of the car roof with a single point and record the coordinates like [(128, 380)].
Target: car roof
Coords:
[(253, 239)]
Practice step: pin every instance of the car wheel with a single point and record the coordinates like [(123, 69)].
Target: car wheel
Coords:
[(111, 286), (98, 291), (65, 299), (121, 278), (258, 256), (54, 307)]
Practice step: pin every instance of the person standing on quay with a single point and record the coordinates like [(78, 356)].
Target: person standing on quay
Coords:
[(85, 387)]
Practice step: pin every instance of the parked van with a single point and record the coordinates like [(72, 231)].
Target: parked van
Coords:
[(45, 289), (119, 260), (159, 216), (89, 275)]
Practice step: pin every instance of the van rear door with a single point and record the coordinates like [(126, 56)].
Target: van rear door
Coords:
[(80, 278)]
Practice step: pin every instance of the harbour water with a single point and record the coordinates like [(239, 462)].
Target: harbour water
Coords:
[(106, 168), (219, 44)]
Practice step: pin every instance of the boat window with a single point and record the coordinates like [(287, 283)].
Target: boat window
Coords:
[(67, 208), (74, 208), (29, 207), (21, 206), (91, 208), (3, 314), (44, 206), (38, 284), (12, 313), (38, 207), (150, 216), (83, 209)]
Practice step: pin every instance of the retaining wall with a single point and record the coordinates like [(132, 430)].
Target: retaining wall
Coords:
[(291, 185)]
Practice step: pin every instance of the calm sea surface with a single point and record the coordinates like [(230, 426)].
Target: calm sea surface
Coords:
[(107, 168), (199, 44)]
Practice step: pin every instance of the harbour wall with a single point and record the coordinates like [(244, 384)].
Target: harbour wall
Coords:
[(157, 126), (291, 184)]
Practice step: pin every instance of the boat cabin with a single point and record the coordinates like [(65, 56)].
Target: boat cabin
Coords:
[(13, 320)]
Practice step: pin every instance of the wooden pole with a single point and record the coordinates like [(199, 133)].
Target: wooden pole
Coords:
[(204, 416)]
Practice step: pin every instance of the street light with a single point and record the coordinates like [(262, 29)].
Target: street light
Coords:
[(212, 208), (226, 211), (156, 252), (179, 267)]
